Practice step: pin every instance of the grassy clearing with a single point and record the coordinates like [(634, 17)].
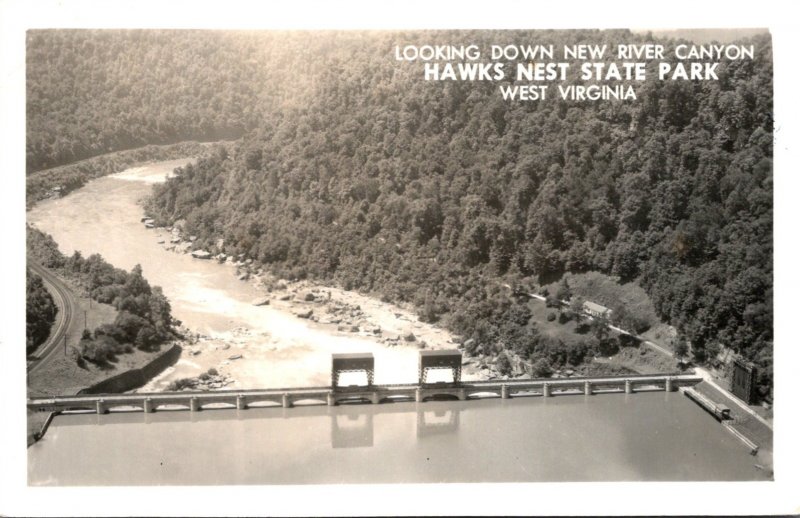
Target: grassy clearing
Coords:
[(552, 328), (605, 290), (62, 375), (628, 299), (90, 313), (606, 368), (663, 334), (630, 303), (644, 359), (629, 360)]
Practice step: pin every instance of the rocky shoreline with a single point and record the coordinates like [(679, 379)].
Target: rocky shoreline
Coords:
[(337, 311)]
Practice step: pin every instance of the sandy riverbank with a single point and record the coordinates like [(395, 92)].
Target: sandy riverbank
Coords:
[(323, 320)]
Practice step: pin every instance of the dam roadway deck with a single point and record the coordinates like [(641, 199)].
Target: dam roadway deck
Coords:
[(287, 397)]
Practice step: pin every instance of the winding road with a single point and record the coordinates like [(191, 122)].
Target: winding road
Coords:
[(65, 301)]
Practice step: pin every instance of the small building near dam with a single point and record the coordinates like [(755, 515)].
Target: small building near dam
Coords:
[(596, 310)]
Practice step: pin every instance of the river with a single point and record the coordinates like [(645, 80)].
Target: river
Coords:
[(277, 348), (644, 436)]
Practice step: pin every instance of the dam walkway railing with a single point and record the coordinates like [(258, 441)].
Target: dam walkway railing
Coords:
[(288, 397)]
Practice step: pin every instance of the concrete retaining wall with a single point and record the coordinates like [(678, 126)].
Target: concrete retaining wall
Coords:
[(135, 378)]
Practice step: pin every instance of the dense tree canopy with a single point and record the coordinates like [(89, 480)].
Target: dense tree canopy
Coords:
[(40, 311), (351, 168)]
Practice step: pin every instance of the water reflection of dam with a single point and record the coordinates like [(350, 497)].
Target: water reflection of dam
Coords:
[(355, 429), (437, 422), (352, 430)]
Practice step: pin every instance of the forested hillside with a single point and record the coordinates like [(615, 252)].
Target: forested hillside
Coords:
[(353, 169), (92, 92), (40, 311)]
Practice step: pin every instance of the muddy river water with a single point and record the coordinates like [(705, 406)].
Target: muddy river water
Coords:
[(277, 348), (644, 436)]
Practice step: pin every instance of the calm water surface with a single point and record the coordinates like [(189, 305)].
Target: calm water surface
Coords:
[(614, 437)]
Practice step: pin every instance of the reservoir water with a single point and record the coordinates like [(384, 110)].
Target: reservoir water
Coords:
[(653, 436), (643, 436)]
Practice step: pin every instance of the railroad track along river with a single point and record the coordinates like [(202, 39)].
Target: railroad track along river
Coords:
[(66, 312)]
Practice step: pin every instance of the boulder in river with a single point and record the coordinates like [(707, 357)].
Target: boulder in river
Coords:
[(263, 301), (305, 314), (201, 254)]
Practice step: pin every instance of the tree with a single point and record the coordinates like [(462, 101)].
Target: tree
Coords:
[(136, 283), (681, 348), (146, 337), (40, 311), (599, 327), (503, 364), (564, 292), (541, 369), (551, 301), (576, 308)]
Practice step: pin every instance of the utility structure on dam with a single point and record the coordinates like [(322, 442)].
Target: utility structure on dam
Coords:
[(352, 362), (334, 394), (439, 359)]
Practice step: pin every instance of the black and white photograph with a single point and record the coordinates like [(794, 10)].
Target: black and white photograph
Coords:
[(318, 257)]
